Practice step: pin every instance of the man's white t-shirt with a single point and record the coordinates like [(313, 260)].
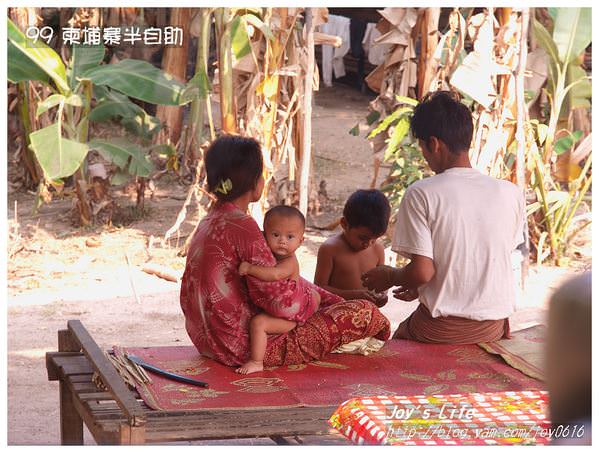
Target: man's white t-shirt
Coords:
[(468, 224)]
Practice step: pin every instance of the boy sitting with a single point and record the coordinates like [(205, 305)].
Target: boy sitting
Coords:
[(343, 258)]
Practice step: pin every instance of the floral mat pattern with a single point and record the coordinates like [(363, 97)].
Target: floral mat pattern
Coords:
[(401, 367)]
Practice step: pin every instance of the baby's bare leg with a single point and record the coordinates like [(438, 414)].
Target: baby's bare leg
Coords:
[(316, 296), (261, 326)]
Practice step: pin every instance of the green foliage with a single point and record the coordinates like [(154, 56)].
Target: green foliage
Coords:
[(556, 206), (61, 156), (198, 87), (113, 105), (24, 54), (20, 67), (407, 167), (139, 80), (402, 151), (83, 58), (565, 144), (125, 155), (568, 88), (240, 41)]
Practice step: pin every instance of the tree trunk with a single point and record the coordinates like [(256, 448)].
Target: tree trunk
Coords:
[(307, 133), (225, 71), (522, 116), (428, 43), (198, 106), (174, 62), (23, 18)]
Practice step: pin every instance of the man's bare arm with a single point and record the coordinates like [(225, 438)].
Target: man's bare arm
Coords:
[(419, 271)]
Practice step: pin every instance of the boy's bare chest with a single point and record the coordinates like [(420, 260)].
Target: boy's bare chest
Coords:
[(353, 263)]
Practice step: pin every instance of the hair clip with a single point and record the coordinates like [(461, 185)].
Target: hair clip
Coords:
[(225, 186)]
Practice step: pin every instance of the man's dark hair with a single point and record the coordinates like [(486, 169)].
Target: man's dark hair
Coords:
[(285, 211), (440, 114), (233, 166), (368, 208)]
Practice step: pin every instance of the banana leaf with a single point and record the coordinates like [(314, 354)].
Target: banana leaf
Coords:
[(52, 101), (198, 87), (572, 32), (58, 156), (260, 25), (546, 42), (112, 104), (39, 55), (139, 80), (142, 125), (581, 93), (240, 41), (400, 131), (124, 154), (394, 116), (20, 68), (83, 59)]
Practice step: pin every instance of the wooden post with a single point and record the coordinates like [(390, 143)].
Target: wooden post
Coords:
[(520, 135), (71, 423), (307, 132)]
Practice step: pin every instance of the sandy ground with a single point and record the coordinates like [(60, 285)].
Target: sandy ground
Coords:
[(59, 274)]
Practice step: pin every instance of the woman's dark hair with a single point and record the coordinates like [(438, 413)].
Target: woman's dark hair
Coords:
[(440, 114), (233, 166), (368, 208)]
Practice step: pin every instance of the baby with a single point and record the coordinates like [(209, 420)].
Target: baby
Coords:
[(284, 233), (343, 258)]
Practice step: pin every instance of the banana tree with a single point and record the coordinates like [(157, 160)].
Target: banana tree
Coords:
[(61, 148), (569, 87)]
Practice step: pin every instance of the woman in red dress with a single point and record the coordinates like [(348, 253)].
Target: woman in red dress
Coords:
[(218, 303)]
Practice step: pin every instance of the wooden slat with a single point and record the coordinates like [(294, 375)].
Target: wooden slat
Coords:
[(95, 396), (109, 375), (84, 387), (51, 367), (102, 435), (81, 378), (72, 365)]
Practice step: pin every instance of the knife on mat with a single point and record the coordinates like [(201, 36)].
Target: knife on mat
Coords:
[(167, 374)]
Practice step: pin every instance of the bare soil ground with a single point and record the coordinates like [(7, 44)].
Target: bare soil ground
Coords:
[(57, 272)]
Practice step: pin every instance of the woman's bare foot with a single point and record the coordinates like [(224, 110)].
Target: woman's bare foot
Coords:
[(251, 366)]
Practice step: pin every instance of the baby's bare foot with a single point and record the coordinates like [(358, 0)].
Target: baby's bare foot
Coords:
[(251, 366)]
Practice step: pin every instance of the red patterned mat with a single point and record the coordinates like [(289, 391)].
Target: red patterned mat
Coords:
[(402, 367), (500, 418)]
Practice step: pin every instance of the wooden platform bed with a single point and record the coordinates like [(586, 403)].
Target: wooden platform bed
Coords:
[(119, 416)]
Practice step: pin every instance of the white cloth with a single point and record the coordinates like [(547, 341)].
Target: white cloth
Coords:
[(468, 224), (376, 52), (364, 346), (332, 57)]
